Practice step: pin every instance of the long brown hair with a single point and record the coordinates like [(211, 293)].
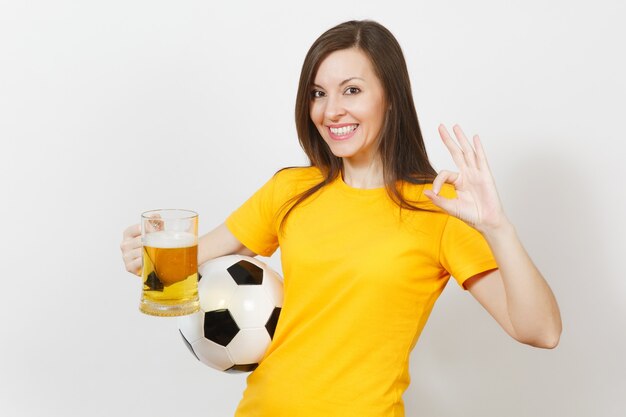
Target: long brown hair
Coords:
[(400, 145)]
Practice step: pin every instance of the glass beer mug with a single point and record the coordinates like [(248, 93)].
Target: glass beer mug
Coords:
[(170, 262)]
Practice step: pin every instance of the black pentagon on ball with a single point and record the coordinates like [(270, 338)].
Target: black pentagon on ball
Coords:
[(272, 322), (220, 326), (235, 369), (246, 273), (188, 344)]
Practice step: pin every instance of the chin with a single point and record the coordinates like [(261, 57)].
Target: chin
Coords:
[(341, 151), (342, 154)]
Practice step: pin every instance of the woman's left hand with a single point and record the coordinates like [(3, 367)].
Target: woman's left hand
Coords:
[(477, 202)]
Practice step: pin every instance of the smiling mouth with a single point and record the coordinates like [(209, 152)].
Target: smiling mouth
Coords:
[(343, 131)]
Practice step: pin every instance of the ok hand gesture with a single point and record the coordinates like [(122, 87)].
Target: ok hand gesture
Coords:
[(477, 202)]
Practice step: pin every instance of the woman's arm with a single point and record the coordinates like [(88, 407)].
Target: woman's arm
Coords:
[(516, 294), (220, 242)]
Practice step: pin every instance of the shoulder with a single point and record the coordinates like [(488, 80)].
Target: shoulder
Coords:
[(294, 180), (306, 176), (299, 174)]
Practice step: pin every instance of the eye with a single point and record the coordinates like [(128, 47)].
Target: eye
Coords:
[(352, 90), (317, 94)]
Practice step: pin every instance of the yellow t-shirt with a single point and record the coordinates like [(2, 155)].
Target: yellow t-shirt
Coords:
[(360, 279)]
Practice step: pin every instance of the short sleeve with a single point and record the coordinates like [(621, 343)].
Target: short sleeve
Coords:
[(254, 222), (464, 252)]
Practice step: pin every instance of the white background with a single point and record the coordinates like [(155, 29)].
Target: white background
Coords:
[(111, 108)]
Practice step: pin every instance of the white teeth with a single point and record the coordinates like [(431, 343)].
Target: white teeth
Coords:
[(342, 131)]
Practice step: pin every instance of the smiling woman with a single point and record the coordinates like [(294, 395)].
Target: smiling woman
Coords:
[(348, 109), (367, 57), (370, 235)]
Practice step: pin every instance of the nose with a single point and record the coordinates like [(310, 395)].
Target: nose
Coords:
[(334, 109)]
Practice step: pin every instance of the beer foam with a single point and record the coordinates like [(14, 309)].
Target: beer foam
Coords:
[(169, 239)]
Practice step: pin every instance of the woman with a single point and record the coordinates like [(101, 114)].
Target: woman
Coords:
[(369, 236)]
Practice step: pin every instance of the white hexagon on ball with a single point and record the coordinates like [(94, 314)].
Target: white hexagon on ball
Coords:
[(250, 306), (239, 347)]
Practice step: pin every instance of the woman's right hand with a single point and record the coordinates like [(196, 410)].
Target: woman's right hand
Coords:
[(131, 247)]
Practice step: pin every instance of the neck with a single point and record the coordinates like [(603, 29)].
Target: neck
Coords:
[(365, 174)]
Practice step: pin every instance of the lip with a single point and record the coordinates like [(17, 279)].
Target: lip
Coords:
[(344, 137)]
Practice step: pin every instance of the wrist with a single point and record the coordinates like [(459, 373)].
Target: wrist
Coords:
[(497, 230)]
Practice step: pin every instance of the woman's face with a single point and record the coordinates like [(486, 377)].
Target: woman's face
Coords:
[(348, 105)]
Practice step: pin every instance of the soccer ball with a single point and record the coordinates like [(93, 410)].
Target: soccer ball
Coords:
[(240, 301)]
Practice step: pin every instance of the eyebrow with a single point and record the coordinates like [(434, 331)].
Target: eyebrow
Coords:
[(346, 81)]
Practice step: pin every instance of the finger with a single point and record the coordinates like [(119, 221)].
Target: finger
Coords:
[(132, 231), (453, 147), (135, 267), (462, 139), (442, 178), (480, 153), (468, 151), (132, 255), (130, 244)]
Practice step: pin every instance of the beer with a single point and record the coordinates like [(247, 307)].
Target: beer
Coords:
[(170, 273)]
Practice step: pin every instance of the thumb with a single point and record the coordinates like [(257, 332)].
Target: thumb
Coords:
[(153, 223)]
